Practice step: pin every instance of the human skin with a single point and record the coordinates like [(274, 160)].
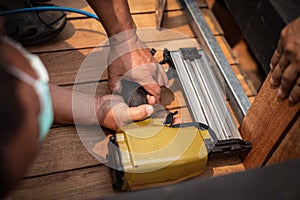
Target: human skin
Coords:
[(285, 63), (116, 18)]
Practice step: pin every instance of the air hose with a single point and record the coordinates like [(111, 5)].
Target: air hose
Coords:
[(49, 8)]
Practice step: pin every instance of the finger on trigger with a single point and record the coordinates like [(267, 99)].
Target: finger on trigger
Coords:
[(151, 99), (154, 90)]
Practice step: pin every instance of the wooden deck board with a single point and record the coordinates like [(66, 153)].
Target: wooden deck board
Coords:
[(95, 181), (61, 151), (289, 148), (64, 65), (88, 183), (64, 169), (265, 124), (136, 6), (88, 33)]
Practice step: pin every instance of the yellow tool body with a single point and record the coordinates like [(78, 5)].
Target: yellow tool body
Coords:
[(148, 153)]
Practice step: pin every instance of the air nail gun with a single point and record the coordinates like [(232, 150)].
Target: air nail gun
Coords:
[(151, 153)]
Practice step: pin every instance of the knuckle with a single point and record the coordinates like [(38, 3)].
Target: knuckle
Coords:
[(286, 83), (282, 65), (298, 83), (283, 33), (277, 53), (277, 74), (289, 48), (286, 79), (295, 94)]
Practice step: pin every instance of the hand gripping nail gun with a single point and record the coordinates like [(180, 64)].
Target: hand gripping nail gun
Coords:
[(149, 153)]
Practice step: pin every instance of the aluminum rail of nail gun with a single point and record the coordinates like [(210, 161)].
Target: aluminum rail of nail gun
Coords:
[(238, 99), (203, 93)]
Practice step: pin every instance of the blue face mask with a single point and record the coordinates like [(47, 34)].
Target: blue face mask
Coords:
[(41, 87)]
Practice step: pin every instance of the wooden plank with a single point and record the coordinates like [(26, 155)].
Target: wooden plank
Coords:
[(244, 81), (289, 148), (86, 183), (226, 50), (248, 65), (136, 6), (62, 150), (77, 34), (223, 165), (63, 66), (87, 33), (212, 22), (95, 182), (265, 123)]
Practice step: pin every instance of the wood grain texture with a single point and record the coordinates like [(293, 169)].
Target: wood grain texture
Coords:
[(88, 33), (264, 124), (289, 148), (95, 181), (244, 81), (212, 22), (86, 183), (61, 151), (136, 6), (63, 66), (226, 50)]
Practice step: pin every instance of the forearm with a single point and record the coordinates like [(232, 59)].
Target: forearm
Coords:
[(110, 111), (62, 101), (114, 15)]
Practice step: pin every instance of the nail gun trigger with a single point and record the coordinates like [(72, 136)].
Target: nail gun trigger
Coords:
[(169, 119), (167, 59)]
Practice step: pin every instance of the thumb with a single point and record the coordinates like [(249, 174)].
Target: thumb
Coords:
[(141, 112)]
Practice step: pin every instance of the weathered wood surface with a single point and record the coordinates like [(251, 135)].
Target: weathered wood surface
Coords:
[(266, 122)]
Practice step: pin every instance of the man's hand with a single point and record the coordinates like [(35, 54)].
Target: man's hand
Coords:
[(285, 63), (113, 113), (130, 59)]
